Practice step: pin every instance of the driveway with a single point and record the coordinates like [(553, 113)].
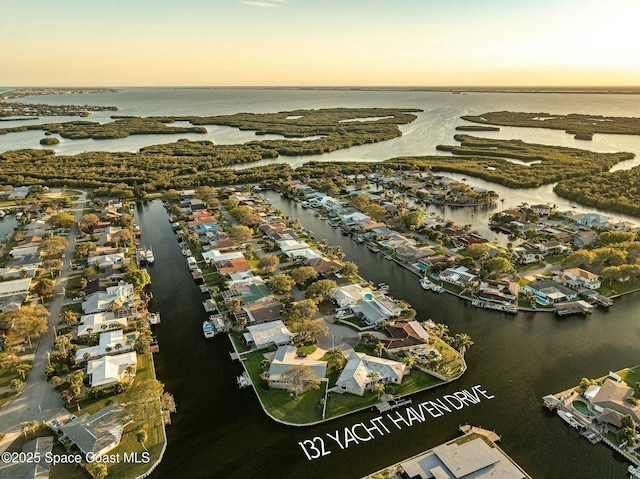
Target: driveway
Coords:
[(38, 399), (339, 336)]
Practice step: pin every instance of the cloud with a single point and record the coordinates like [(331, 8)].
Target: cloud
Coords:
[(263, 4)]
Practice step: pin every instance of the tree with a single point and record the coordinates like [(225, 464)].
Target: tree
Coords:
[(380, 389), (23, 369), (336, 359), (499, 264), (477, 250), (240, 233), (303, 274), (410, 360), (82, 249), (462, 342), (268, 263), (16, 384), (361, 201), (280, 283), (122, 237), (89, 221), (45, 288), (349, 269), (143, 401), (97, 470), (62, 220), (317, 290), (139, 278), (300, 378), (141, 436), (301, 310), (579, 259), (52, 264), (373, 377), (379, 349), (413, 219), (168, 403), (68, 317), (374, 211), (53, 245), (30, 321), (309, 329)]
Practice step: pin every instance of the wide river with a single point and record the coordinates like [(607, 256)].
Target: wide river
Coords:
[(221, 431)]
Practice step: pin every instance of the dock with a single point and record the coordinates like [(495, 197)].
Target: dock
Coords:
[(392, 404), (468, 429)]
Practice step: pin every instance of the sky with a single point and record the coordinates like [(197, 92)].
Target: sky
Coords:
[(403, 43)]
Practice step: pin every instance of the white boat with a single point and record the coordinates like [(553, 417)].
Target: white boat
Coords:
[(569, 419), (243, 380), (634, 471), (426, 284), (2, 214), (208, 329), (154, 318), (149, 256), (184, 252), (132, 207)]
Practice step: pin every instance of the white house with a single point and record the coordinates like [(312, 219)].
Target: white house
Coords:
[(583, 278), (286, 357), (268, 334), (107, 342), (102, 300), (110, 369), (349, 294), (362, 372), (106, 260), (98, 322)]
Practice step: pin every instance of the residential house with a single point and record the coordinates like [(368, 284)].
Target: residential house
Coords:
[(527, 254), (324, 265), (376, 308), (582, 239), (97, 433), (121, 295), (615, 395), (38, 468), (108, 342), (115, 260), (349, 295), (591, 220), (407, 335), (108, 370), (99, 322), (286, 357), (362, 372), (467, 459), (541, 210), (579, 277), (548, 292), (263, 311), (264, 335), (459, 275)]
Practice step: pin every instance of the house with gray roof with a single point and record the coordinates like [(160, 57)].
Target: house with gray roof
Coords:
[(268, 334), (467, 459), (96, 433), (29, 469), (357, 377), (286, 357)]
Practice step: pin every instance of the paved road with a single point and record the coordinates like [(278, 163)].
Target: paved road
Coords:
[(38, 400)]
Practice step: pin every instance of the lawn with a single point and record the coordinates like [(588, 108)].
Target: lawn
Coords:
[(631, 377), (281, 404), (618, 288), (129, 442)]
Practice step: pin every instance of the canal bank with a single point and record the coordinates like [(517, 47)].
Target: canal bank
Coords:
[(221, 431)]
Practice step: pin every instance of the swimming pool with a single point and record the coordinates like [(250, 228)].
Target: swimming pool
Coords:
[(582, 408), (420, 266)]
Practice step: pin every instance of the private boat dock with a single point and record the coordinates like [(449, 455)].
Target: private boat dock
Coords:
[(392, 404), (491, 435)]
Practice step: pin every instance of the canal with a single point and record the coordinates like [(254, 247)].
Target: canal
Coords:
[(221, 431)]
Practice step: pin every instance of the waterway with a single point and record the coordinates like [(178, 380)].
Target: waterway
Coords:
[(220, 431)]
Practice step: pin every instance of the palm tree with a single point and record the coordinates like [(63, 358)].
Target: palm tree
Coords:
[(379, 348), (141, 436), (410, 360), (68, 317), (337, 360), (380, 389), (373, 378), (462, 342)]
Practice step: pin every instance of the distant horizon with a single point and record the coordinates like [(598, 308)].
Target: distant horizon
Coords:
[(443, 88), (286, 43)]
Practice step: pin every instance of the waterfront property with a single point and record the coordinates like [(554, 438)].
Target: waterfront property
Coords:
[(96, 433), (472, 456), (363, 372)]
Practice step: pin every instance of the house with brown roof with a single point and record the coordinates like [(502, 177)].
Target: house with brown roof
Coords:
[(405, 335), (235, 265), (583, 278), (324, 265), (614, 395)]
